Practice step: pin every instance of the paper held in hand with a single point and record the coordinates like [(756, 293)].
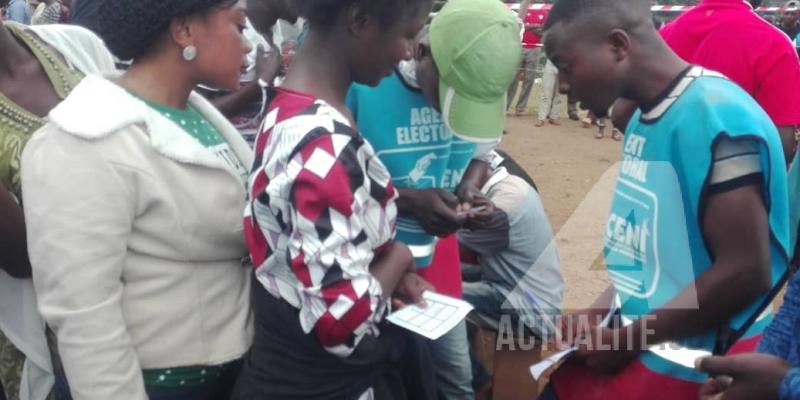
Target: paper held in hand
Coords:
[(669, 351), (539, 368), (441, 315)]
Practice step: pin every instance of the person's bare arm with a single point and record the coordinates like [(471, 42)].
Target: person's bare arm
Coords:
[(13, 244), (743, 377), (736, 229), (739, 244), (474, 178), (434, 209), (391, 265), (470, 195), (523, 9), (788, 142), (396, 272)]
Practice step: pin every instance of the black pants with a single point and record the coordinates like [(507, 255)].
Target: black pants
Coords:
[(286, 363)]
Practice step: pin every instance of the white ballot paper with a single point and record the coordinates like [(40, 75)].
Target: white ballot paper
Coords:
[(683, 356), (442, 314), (669, 351), (539, 368)]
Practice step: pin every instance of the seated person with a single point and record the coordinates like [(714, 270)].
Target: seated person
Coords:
[(519, 269)]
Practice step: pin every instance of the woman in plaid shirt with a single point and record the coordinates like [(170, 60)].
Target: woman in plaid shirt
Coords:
[(320, 224)]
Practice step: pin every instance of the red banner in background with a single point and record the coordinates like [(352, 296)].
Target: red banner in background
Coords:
[(675, 8)]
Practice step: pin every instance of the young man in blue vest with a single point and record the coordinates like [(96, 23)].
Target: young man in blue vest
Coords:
[(417, 120), (698, 233)]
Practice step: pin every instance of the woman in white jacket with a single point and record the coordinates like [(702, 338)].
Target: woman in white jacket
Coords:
[(133, 200), (39, 66)]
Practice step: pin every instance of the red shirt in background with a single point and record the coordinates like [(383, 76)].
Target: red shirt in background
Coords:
[(444, 273), (530, 39), (729, 37)]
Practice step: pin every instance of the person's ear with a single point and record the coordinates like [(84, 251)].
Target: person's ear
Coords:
[(620, 44), (180, 31), (359, 20)]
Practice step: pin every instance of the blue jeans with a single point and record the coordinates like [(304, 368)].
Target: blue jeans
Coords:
[(487, 300), (450, 354), (489, 303)]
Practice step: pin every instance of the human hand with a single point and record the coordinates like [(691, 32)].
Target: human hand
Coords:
[(605, 350), (435, 210), (471, 197), (467, 192), (288, 51), (478, 211), (743, 376), (410, 290), (714, 388), (268, 63)]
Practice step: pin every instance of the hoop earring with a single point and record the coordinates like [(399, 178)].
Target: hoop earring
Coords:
[(189, 53)]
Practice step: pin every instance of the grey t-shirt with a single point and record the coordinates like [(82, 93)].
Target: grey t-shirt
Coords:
[(519, 257)]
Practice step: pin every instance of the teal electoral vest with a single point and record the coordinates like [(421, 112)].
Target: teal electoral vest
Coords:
[(654, 242), (412, 141)]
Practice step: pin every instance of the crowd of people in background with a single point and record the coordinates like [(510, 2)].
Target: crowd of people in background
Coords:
[(201, 84), (550, 109), (224, 199), (39, 12)]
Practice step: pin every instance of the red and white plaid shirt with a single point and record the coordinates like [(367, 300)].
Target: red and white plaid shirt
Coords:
[(321, 206)]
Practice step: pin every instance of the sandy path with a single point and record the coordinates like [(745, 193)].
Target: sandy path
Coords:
[(575, 176)]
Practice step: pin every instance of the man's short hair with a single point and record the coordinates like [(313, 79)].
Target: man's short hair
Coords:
[(607, 11)]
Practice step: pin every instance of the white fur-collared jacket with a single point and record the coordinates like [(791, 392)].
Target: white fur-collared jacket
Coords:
[(135, 238)]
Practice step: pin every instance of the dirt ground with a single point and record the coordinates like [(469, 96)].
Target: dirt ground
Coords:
[(575, 175)]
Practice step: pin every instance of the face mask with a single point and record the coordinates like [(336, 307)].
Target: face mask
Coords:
[(408, 70)]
